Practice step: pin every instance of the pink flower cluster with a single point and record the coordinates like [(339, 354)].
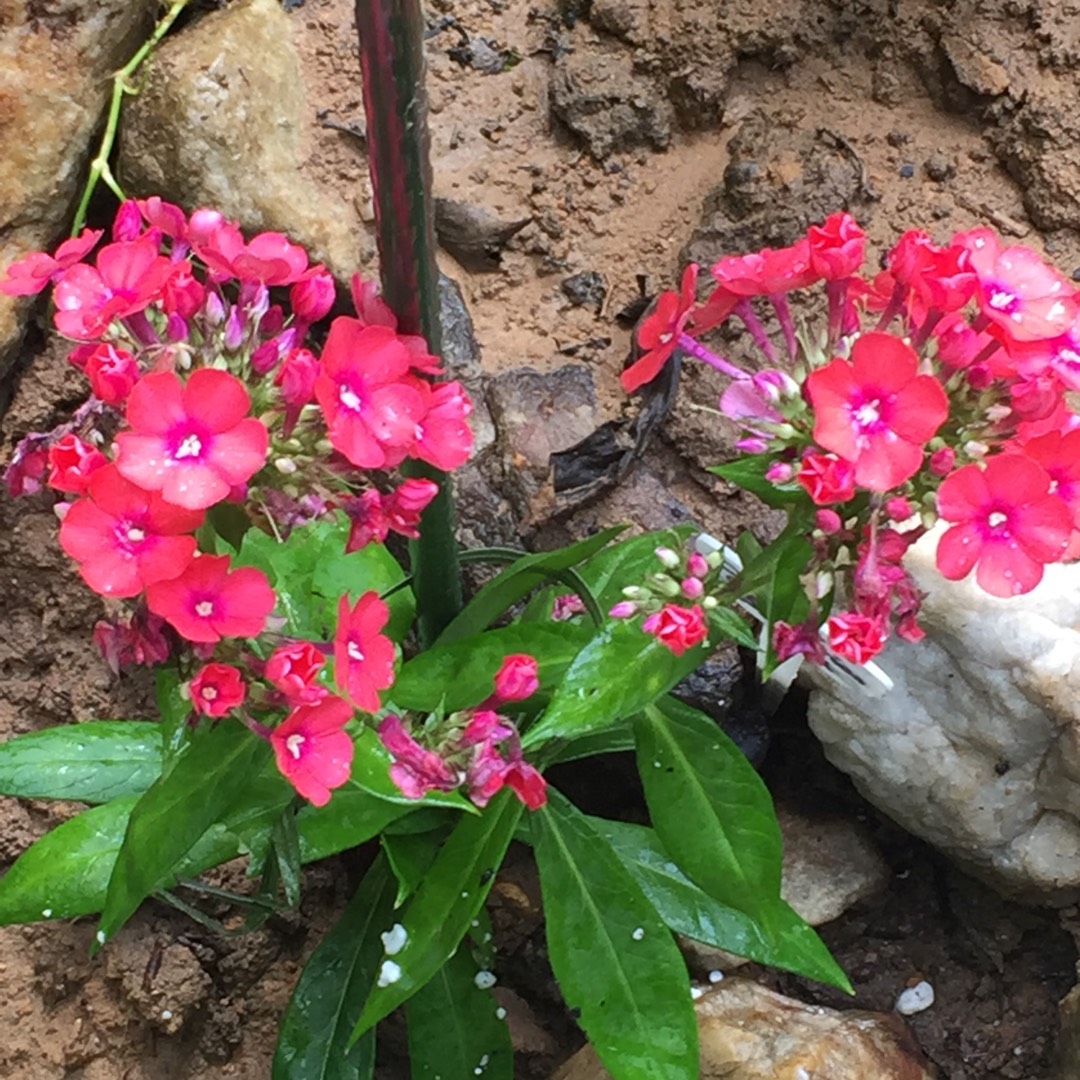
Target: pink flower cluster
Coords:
[(206, 389), (939, 390), (478, 749)]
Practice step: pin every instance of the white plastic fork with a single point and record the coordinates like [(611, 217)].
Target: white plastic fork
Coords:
[(865, 680)]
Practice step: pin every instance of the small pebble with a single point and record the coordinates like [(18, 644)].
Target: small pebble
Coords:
[(484, 980), (907, 170), (915, 999), (715, 976)]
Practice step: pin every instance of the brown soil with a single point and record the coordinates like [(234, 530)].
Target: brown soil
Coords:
[(612, 134)]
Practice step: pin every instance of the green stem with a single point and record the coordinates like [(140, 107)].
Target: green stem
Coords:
[(99, 167), (395, 102)]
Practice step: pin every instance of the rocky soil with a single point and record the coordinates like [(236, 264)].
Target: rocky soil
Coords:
[(585, 149)]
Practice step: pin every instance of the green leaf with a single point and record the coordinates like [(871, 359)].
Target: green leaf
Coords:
[(285, 845), (782, 939), (748, 472), (692, 772), (517, 581), (174, 710), (65, 873), (725, 623), (310, 572), (352, 816), (462, 673), (453, 1028), (611, 740), (91, 762), (443, 908), (175, 813), (313, 1042), (410, 856), (616, 675), (612, 954)]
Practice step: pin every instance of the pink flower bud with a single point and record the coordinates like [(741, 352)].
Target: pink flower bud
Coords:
[(176, 327), (214, 310), (516, 680), (943, 461), (272, 321), (980, 376), (898, 508), (692, 588), (697, 565), (780, 472), (112, 373), (312, 296), (234, 329), (828, 521), (753, 444), (624, 609), (71, 464), (265, 358), (127, 225)]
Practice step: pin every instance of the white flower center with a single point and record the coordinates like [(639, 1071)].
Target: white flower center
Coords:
[(190, 447), (293, 744), (209, 693), (136, 536), (995, 519), (1002, 299), (354, 652), (348, 398), (205, 608), (868, 413)]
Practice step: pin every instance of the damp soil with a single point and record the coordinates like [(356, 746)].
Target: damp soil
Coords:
[(624, 134)]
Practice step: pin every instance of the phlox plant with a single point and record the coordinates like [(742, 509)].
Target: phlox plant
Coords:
[(936, 394), (230, 490)]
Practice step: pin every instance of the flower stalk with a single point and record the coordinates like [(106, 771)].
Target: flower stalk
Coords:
[(395, 101)]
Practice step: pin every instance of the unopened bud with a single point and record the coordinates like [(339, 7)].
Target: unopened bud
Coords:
[(665, 585), (285, 466), (697, 564), (668, 558), (692, 588), (828, 521), (710, 602), (624, 609), (635, 592)]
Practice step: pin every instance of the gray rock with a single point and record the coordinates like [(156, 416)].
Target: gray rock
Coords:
[(977, 747), (600, 98), (223, 121), (55, 63)]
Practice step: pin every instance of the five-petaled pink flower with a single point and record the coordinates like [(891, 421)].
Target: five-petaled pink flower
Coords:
[(1006, 524), (876, 410), (678, 628), (312, 749), (217, 689), (363, 656), (124, 538), (30, 274), (194, 443), (658, 334), (208, 601), (371, 403)]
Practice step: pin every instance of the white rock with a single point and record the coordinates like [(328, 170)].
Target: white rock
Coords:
[(915, 999), (977, 748)]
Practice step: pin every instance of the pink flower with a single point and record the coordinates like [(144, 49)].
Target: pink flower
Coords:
[(194, 443), (141, 640), (293, 669), (269, 258), (30, 274), (1006, 524), (415, 771), (855, 637), (443, 435), (72, 463), (876, 411), (827, 478), (658, 334), (217, 689), (767, 272), (837, 247), (1023, 296), (678, 628), (566, 607), (296, 377), (124, 538), (363, 656), (406, 503), (939, 279), (517, 679), (208, 601), (312, 749), (128, 277), (25, 473), (371, 403), (489, 772), (163, 216), (112, 373)]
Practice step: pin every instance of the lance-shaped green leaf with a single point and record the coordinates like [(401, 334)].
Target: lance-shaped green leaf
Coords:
[(692, 772), (781, 939), (352, 816), (91, 762), (517, 581), (313, 1042), (748, 472), (203, 785), (620, 671), (454, 1029), (462, 673), (443, 908), (410, 856), (614, 958)]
